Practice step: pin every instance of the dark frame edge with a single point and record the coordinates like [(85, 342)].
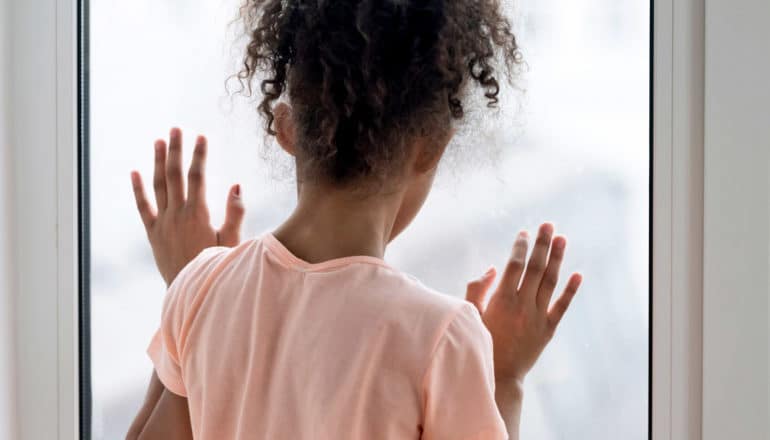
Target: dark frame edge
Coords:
[(84, 242)]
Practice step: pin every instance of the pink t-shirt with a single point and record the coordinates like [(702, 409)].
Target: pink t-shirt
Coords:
[(267, 346)]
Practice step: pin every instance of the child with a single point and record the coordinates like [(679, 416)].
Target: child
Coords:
[(306, 332)]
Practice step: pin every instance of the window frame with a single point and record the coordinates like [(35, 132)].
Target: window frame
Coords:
[(47, 146), (46, 199), (677, 219)]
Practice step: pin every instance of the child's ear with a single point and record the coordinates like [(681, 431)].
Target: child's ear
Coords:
[(284, 128), (430, 150)]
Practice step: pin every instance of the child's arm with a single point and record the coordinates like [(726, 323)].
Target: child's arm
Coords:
[(178, 230), (508, 396), (520, 316), (164, 415), (169, 420), (154, 391)]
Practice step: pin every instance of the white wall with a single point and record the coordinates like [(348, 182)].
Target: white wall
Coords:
[(737, 222), (7, 304)]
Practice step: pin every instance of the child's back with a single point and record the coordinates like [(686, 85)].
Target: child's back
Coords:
[(257, 343), (273, 347)]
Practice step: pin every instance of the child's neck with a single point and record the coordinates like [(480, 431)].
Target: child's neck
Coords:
[(331, 223)]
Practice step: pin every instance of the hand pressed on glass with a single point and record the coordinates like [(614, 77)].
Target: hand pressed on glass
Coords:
[(181, 228), (519, 315)]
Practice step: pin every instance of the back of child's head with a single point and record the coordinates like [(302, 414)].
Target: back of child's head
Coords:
[(365, 78)]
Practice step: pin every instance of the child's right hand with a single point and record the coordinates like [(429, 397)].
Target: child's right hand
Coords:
[(518, 315), (181, 229)]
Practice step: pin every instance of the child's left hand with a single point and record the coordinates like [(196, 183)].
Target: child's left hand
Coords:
[(520, 316), (181, 228)]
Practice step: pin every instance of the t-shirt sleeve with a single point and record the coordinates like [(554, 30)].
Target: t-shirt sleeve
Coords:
[(179, 307), (459, 384)]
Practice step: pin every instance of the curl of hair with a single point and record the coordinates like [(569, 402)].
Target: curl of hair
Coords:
[(366, 76)]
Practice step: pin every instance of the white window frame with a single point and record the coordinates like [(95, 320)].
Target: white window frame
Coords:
[(677, 219), (44, 146)]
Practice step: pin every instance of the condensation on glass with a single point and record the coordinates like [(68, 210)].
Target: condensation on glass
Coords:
[(569, 144)]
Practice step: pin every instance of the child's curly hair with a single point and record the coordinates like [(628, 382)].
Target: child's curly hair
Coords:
[(366, 76)]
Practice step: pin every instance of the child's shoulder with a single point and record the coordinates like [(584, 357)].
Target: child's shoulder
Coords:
[(425, 295), (371, 282), (408, 297), (419, 316), (207, 267)]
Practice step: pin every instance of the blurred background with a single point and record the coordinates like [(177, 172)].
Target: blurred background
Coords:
[(569, 144)]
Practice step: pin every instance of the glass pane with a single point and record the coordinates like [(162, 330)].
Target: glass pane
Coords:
[(569, 145)]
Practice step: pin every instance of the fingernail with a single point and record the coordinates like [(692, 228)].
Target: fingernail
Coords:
[(523, 235), (488, 273), (237, 190), (546, 228), (559, 243)]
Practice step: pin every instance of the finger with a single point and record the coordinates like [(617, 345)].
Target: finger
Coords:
[(509, 284), (230, 233), (477, 289), (196, 190), (159, 178), (559, 308), (174, 180), (551, 275), (536, 266), (142, 204)]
